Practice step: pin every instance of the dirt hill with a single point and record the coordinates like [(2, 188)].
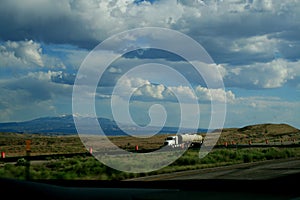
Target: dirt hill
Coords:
[(260, 133)]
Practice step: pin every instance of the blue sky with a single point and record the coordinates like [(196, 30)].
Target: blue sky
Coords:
[(255, 45)]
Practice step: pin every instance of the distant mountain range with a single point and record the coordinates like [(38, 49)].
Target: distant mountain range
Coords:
[(64, 125)]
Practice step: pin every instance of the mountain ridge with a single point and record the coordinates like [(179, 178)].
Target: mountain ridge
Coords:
[(64, 125)]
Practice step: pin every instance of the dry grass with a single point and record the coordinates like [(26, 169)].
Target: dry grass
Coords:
[(129, 143), (14, 144), (260, 133)]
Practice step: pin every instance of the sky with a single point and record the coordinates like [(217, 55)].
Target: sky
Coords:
[(255, 46)]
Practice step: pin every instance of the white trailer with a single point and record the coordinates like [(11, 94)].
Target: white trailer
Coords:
[(183, 140)]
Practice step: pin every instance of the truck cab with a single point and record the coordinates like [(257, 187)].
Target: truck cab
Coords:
[(171, 141)]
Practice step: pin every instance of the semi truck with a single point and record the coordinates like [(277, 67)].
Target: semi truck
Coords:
[(183, 140)]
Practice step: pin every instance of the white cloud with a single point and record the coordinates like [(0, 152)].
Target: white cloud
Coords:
[(44, 76), (273, 74), (255, 44), (29, 52), (26, 54), (144, 90), (114, 70), (184, 91), (149, 90), (259, 102), (216, 95)]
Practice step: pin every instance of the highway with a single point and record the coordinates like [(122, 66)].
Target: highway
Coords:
[(261, 170)]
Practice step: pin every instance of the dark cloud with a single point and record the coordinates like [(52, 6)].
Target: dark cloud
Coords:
[(48, 22), (214, 24)]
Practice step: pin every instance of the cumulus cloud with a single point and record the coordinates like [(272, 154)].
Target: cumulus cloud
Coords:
[(273, 74), (28, 52), (150, 90), (144, 90), (256, 44), (216, 95)]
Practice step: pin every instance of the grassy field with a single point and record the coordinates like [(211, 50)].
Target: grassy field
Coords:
[(87, 167), (15, 144)]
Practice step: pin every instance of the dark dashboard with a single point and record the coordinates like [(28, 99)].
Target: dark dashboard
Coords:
[(285, 187)]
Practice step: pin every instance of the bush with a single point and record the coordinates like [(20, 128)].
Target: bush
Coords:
[(21, 162), (247, 158)]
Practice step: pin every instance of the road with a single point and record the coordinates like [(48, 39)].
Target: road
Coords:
[(247, 171)]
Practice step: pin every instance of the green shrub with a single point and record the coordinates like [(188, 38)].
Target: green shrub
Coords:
[(247, 158), (21, 162)]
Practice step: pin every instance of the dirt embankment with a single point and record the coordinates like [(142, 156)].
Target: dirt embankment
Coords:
[(260, 133)]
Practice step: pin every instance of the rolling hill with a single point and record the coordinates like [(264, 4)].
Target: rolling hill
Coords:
[(260, 132)]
